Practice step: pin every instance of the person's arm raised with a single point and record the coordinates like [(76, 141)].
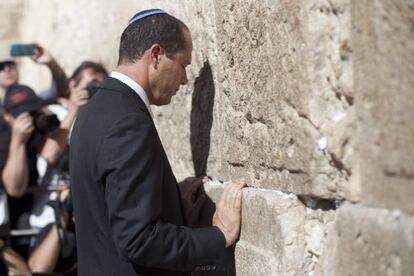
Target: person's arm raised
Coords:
[(16, 172)]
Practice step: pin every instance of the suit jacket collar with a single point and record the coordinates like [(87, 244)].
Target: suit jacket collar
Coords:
[(117, 85)]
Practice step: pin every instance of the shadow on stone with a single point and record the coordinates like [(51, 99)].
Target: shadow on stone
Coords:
[(202, 119), (201, 124)]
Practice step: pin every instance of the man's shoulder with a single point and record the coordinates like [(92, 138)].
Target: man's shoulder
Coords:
[(116, 98), (114, 84)]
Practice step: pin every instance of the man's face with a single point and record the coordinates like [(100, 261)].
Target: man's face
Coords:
[(8, 74), (171, 73), (89, 75)]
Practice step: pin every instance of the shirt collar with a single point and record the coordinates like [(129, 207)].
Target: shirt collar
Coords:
[(134, 86)]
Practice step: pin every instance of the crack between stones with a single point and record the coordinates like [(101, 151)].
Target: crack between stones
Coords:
[(403, 174), (339, 165), (302, 115), (270, 167), (283, 168), (236, 164), (310, 202)]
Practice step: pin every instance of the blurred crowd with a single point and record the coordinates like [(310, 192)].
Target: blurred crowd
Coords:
[(36, 219)]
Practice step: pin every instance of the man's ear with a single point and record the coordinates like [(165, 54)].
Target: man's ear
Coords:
[(155, 55), (8, 118)]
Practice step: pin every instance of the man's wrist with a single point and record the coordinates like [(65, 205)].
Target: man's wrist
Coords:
[(51, 63), (219, 225)]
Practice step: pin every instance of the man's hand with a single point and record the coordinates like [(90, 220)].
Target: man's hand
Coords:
[(194, 198), (41, 56), (228, 213), (23, 127), (77, 100)]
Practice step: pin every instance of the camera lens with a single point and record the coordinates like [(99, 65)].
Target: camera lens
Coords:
[(45, 123), (93, 87)]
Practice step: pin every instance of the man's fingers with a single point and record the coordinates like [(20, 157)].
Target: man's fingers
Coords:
[(81, 97), (26, 126), (30, 129), (235, 196), (238, 201), (222, 200), (225, 194), (23, 116), (82, 103), (62, 101), (241, 182)]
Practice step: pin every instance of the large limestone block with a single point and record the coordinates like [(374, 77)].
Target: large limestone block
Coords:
[(369, 241), (285, 77), (279, 235), (383, 39)]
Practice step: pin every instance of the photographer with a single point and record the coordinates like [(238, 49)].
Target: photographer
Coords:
[(81, 88), (9, 74), (32, 133)]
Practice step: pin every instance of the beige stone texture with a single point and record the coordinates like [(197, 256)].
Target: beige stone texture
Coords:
[(9, 20), (279, 235), (383, 39), (90, 30), (369, 241), (267, 81), (308, 99), (285, 73)]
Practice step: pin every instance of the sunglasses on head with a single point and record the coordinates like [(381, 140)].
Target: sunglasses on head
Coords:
[(7, 64)]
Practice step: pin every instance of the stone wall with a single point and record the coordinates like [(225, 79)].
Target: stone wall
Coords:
[(310, 100)]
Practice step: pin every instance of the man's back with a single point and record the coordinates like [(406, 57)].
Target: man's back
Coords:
[(127, 204), (96, 249)]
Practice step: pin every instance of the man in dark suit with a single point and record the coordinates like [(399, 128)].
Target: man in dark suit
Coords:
[(129, 212)]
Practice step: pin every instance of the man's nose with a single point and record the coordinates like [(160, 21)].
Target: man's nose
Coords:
[(185, 80)]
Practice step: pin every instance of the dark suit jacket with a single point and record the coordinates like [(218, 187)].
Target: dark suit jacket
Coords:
[(128, 211)]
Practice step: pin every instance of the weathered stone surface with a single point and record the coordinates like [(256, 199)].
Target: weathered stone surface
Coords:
[(279, 235), (9, 20), (79, 30), (369, 241), (279, 94), (272, 75), (285, 71), (383, 38)]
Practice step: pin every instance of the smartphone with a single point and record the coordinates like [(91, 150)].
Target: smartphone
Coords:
[(20, 50)]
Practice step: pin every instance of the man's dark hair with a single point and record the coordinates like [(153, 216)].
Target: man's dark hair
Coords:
[(96, 67), (163, 29)]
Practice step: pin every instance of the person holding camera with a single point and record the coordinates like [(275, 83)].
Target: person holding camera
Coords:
[(82, 85), (9, 74), (33, 132)]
